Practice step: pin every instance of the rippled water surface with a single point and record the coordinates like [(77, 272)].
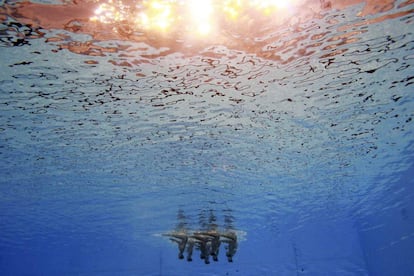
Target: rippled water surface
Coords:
[(295, 130)]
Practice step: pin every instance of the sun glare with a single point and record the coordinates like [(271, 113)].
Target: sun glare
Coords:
[(232, 8), (195, 16), (201, 13), (269, 4), (157, 14)]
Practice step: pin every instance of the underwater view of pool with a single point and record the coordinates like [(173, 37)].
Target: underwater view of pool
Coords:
[(179, 137)]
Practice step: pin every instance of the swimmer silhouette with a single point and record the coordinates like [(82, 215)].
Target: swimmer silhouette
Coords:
[(206, 239), (204, 244), (214, 238), (181, 239), (190, 246), (231, 239)]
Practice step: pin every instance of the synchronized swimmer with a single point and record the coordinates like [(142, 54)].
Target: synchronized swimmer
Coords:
[(208, 242)]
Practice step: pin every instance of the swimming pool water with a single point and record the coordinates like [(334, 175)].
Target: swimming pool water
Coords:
[(295, 132)]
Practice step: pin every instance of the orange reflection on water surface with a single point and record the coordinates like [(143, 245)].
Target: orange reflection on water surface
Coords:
[(190, 25)]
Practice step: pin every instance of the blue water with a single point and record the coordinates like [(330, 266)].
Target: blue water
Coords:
[(297, 136)]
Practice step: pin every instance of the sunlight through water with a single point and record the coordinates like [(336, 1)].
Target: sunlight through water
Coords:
[(231, 126)]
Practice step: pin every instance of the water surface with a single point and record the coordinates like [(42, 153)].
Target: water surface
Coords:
[(294, 129)]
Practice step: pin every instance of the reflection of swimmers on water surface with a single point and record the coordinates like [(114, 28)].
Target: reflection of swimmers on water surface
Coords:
[(231, 239), (181, 240)]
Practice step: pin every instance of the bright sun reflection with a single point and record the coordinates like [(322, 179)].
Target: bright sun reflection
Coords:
[(196, 16), (157, 14), (231, 8), (201, 12), (269, 4)]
